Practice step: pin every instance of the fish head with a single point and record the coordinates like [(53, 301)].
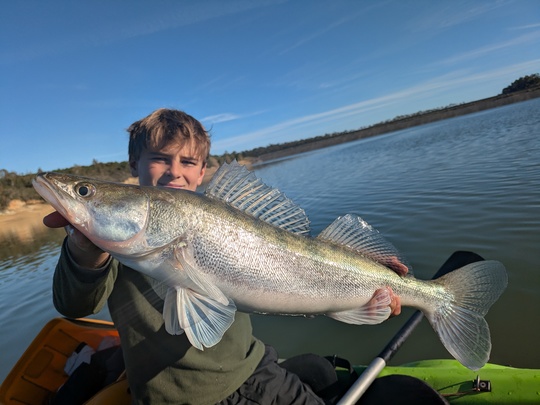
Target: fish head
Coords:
[(112, 215)]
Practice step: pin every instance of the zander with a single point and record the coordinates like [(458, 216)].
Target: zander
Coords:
[(245, 246)]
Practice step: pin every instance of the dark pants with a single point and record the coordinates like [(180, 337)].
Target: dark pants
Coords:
[(273, 385)]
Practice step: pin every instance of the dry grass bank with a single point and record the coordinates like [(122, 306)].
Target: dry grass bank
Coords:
[(22, 220)]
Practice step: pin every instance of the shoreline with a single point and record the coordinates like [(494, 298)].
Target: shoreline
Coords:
[(23, 219)]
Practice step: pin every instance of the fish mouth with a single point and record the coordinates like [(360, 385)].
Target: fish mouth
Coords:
[(51, 192)]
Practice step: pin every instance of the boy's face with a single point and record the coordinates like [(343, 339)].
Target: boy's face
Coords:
[(169, 167)]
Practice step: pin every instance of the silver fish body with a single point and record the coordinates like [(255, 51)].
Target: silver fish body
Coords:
[(243, 246)]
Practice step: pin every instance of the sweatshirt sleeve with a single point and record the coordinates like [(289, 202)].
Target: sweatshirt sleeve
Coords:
[(79, 291)]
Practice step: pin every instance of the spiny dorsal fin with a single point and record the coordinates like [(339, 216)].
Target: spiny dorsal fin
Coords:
[(239, 187), (355, 233)]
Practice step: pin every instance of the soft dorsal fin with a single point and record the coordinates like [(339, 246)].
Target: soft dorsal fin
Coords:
[(355, 233), (240, 188)]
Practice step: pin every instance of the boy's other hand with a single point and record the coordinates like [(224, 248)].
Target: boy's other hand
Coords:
[(55, 220), (382, 294), (82, 250), (394, 264), (395, 303)]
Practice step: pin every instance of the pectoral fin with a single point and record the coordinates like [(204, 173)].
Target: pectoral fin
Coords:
[(186, 262), (171, 312), (203, 319), (375, 311)]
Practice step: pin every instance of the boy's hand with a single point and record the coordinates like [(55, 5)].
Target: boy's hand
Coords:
[(395, 303), (394, 264), (401, 270), (82, 250), (382, 294)]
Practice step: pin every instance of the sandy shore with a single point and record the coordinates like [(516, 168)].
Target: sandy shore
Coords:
[(23, 220)]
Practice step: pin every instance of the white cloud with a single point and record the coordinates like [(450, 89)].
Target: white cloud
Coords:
[(214, 119), (441, 15), (525, 27), (318, 34), (531, 38)]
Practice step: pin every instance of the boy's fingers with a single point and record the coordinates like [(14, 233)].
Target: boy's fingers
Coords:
[(78, 239), (380, 300), (55, 220), (397, 266), (395, 303)]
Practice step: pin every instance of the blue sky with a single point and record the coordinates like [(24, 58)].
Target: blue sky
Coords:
[(76, 74)]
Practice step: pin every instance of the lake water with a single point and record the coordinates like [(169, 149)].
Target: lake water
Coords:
[(468, 183)]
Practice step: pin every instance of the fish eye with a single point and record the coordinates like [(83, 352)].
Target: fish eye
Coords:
[(85, 190)]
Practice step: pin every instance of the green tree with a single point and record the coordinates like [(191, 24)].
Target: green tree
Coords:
[(523, 83)]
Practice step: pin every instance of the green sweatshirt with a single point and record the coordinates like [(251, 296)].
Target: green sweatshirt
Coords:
[(161, 368)]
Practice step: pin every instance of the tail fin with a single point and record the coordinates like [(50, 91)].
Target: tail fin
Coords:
[(459, 321)]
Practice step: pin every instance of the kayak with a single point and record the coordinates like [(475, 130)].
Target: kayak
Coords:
[(40, 372)]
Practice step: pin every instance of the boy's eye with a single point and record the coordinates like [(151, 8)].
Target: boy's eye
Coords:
[(159, 159), (188, 162)]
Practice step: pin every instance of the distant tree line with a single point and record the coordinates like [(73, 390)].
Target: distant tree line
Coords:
[(15, 186), (523, 83)]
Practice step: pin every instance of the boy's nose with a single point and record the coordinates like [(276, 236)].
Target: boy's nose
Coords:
[(175, 169)]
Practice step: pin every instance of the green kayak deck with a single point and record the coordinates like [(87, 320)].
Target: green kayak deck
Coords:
[(492, 384)]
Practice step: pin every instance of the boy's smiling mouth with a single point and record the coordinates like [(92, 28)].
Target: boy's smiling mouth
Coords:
[(172, 185)]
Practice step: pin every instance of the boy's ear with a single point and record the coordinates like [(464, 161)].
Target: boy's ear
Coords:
[(201, 174), (133, 167)]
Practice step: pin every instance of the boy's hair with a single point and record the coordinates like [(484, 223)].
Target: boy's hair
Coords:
[(166, 127)]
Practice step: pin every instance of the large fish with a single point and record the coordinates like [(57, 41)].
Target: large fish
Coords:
[(245, 246)]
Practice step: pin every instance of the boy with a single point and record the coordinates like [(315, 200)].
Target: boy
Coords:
[(169, 149)]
